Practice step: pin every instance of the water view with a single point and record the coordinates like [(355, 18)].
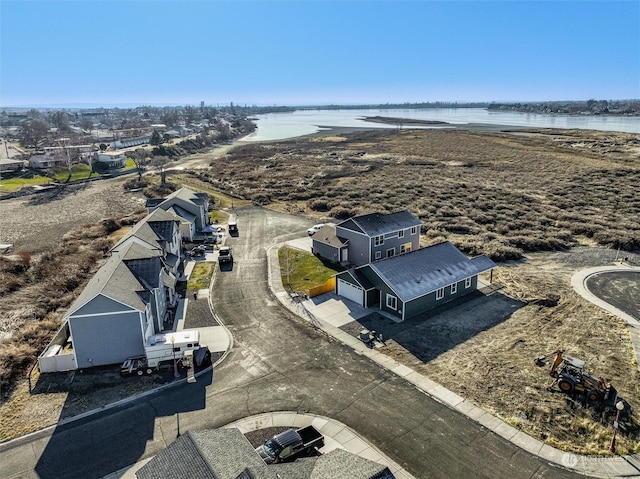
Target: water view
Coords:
[(276, 126)]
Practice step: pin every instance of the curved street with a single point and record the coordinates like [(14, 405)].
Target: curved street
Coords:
[(278, 362)]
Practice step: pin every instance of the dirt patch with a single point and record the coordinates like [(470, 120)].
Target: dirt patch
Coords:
[(484, 348), (34, 222)]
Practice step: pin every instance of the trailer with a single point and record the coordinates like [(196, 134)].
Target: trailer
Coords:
[(161, 348)]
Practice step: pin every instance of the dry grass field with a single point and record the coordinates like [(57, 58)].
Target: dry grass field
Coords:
[(543, 203), (500, 194)]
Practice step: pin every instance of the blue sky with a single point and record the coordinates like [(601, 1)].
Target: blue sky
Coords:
[(316, 52)]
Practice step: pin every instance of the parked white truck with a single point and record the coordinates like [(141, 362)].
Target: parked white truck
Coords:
[(160, 348)]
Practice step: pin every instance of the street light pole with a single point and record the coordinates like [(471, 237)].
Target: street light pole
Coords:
[(612, 446)]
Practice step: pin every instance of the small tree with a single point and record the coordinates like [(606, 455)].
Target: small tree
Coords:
[(160, 162), (139, 157), (289, 265), (33, 132), (156, 139)]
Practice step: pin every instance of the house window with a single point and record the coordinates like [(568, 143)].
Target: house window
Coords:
[(403, 249), (439, 294), (378, 240), (414, 230), (391, 252), (401, 234), (467, 283), (454, 288), (378, 254), (392, 302)]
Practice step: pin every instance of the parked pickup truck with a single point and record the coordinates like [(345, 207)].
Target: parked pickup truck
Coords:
[(225, 255), (291, 444)]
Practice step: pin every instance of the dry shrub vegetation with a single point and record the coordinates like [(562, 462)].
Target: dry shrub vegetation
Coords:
[(36, 290), (506, 195), (500, 194)]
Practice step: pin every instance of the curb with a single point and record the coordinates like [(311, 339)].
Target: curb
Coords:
[(596, 466)]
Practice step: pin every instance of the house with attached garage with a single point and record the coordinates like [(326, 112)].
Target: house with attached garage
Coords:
[(409, 284), (191, 207), (363, 239), (130, 298)]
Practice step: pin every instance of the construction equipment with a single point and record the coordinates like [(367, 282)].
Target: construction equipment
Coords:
[(570, 377)]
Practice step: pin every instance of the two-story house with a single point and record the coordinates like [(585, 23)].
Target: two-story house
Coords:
[(389, 269), (129, 299), (410, 284), (191, 207), (367, 238)]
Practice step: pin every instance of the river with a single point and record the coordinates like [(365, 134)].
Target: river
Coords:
[(277, 126)]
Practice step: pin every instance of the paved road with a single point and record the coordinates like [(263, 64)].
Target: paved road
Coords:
[(278, 362), (620, 289)]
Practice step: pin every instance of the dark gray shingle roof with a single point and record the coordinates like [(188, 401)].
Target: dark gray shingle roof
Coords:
[(181, 459), (227, 454), (114, 280), (425, 270), (375, 224)]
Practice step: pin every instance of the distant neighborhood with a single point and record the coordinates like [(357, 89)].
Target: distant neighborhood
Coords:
[(103, 139)]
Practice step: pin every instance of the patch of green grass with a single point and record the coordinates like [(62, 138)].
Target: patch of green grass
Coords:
[(129, 163), (78, 172), (201, 276), (218, 216), (10, 185), (301, 270)]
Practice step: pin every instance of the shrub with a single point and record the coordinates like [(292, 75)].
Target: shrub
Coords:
[(319, 205), (341, 213)]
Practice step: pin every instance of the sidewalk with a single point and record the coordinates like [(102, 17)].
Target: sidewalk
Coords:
[(330, 318)]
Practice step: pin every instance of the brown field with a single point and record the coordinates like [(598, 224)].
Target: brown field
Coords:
[(499, 194), (524, 198)]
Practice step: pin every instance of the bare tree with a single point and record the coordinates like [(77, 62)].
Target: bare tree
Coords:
[(161, 162), (33, 132), (139, 157), (289, 265), (67, 155)]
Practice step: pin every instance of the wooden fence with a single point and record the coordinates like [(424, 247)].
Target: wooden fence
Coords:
[(330, 285)]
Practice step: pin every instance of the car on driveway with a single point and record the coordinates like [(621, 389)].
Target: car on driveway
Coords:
[(314, 229), (197, 252)]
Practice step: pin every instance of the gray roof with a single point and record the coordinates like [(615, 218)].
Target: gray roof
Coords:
[(300, 469), (327, 235), (375, 224), (182, 213), (425, 270), (358, 277), (182, 459), (185, 194), (144, 232), (204, 454), (341, 464), (113, 280), (227, 454)]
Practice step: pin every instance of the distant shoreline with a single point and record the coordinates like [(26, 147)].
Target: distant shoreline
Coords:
[(388, 120)]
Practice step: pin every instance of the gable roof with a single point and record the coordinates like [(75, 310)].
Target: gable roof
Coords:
[(376, 224), (327, 235), (227, 454), (210, 454), (113, 280), (425, 270)]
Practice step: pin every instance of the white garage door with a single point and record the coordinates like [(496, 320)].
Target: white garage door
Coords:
[(351, 292)]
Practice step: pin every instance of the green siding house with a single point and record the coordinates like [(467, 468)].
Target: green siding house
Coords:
[(412, 283)]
